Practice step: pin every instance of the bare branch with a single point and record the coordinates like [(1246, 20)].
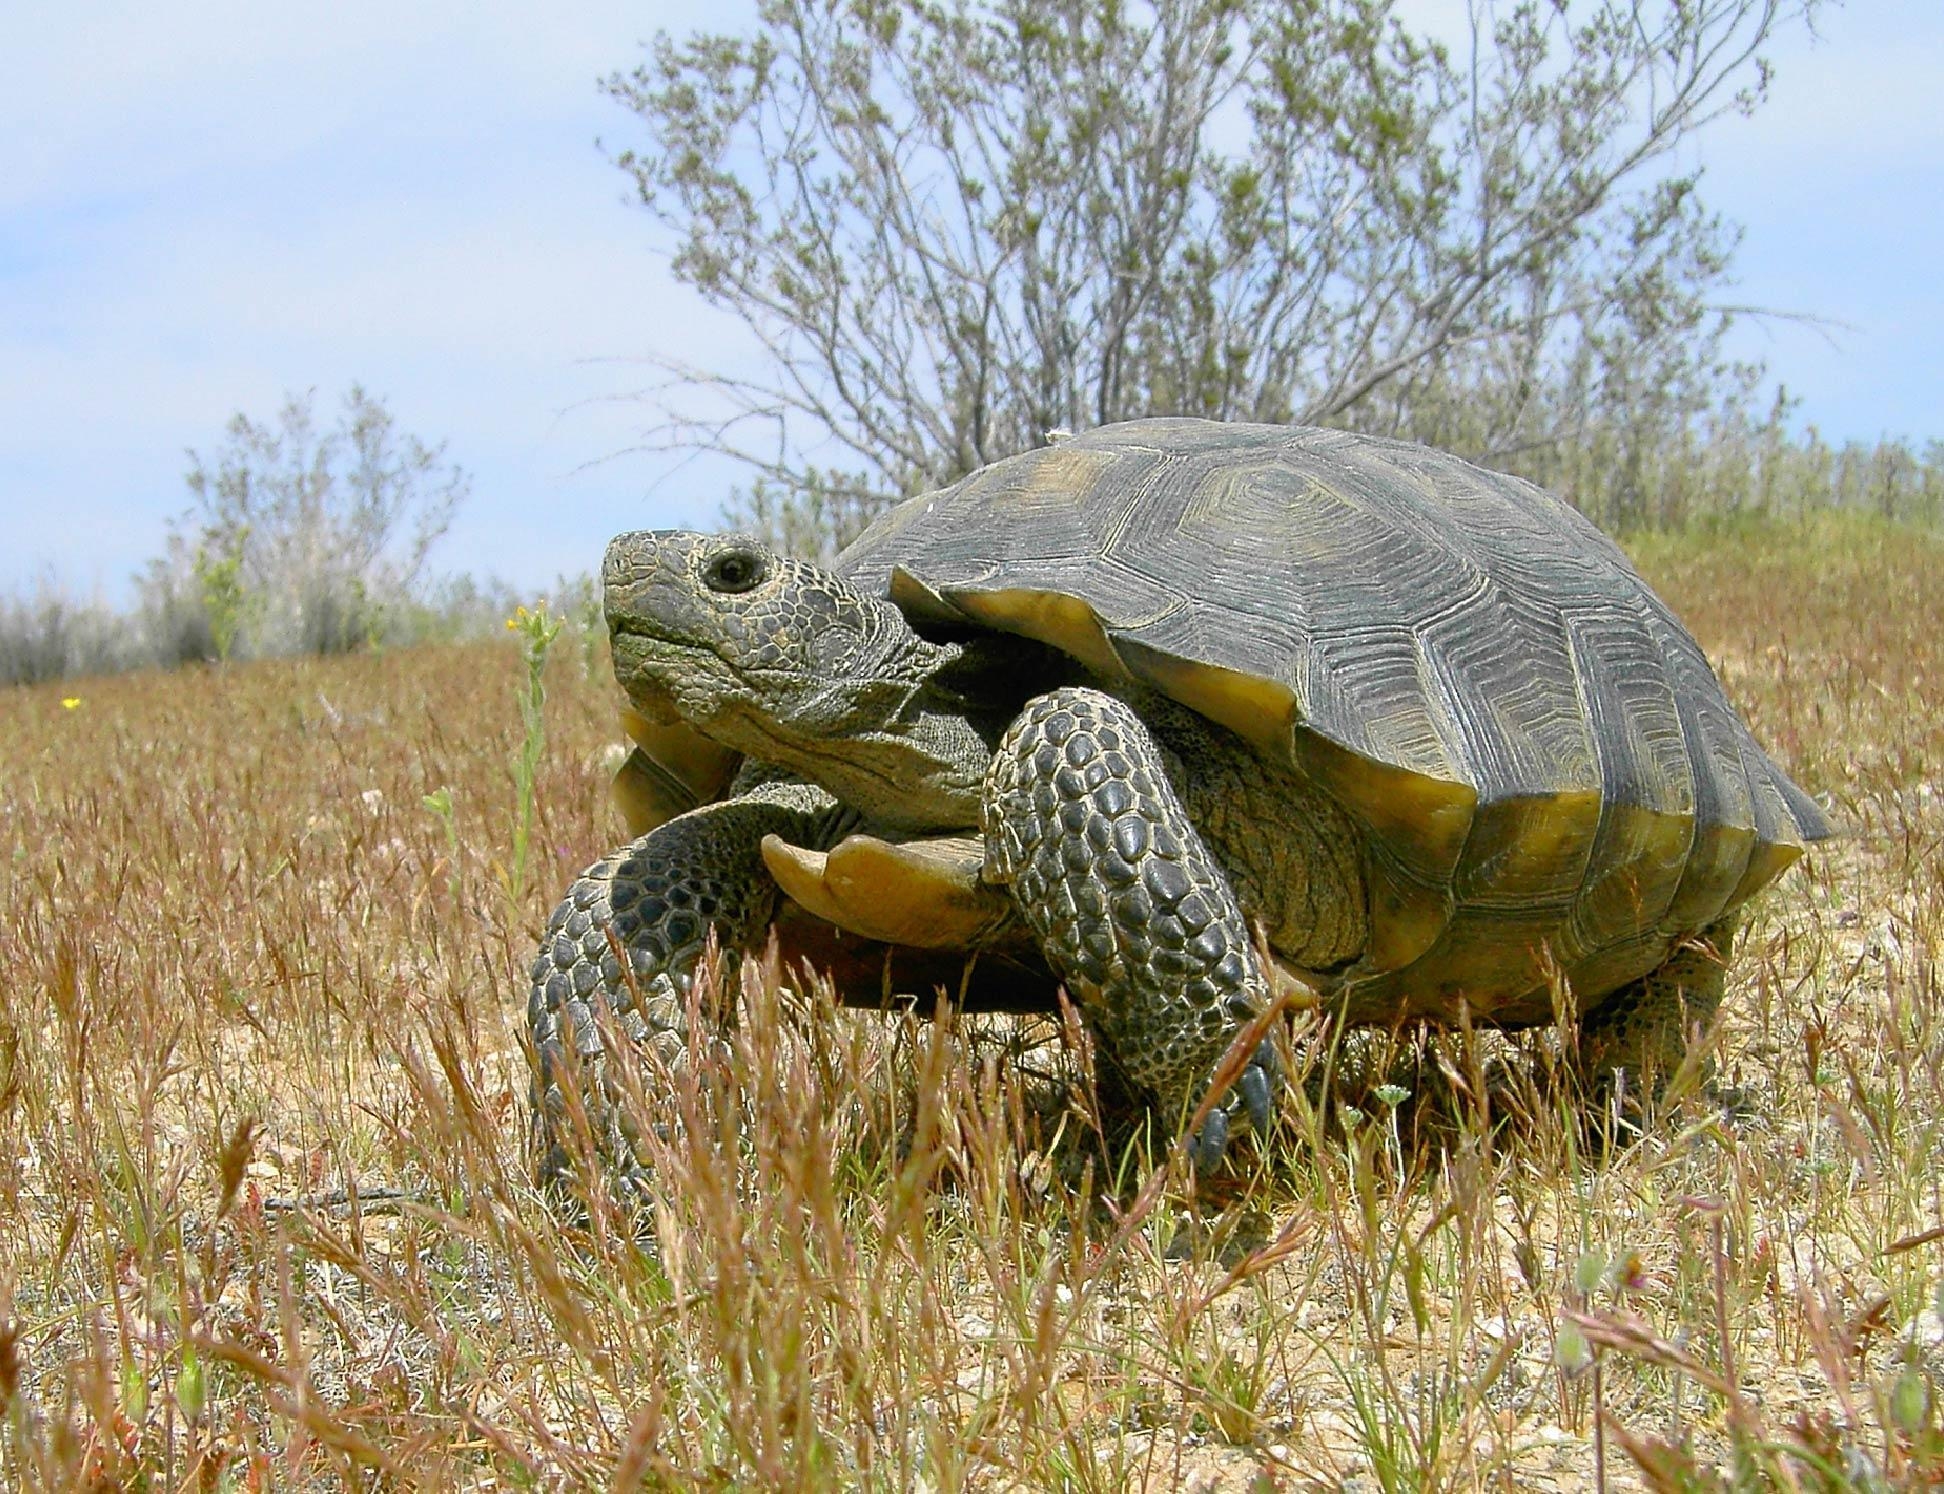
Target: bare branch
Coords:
[(954, 224)]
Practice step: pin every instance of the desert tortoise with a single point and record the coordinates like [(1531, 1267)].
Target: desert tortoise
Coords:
[(1173, 692)]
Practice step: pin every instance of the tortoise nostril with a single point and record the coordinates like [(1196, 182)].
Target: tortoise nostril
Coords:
[(629, 558)]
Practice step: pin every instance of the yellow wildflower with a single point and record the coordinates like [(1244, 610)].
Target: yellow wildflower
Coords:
[(70, 702)]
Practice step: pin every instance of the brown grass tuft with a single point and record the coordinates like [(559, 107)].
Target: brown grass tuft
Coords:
[(267, 1218)]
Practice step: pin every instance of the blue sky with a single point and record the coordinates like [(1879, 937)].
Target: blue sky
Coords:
[(206, 203)]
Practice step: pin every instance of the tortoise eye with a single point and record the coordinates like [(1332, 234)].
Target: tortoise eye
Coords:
[(733, 571)]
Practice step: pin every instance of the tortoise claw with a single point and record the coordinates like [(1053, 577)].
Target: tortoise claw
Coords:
[(1257, 1099), (1210, 1144), (1257, 1086)]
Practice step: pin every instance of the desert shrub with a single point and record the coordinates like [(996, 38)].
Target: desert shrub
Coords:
[(301, 539), (49, 635)]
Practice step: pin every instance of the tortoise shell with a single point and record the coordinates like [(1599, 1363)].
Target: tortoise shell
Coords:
[(1547, 771)]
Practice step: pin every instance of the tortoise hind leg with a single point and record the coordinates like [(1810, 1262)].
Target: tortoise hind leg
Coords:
[(1635, 1040)]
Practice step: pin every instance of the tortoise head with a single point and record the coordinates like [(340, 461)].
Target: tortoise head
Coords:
[(789, 663)]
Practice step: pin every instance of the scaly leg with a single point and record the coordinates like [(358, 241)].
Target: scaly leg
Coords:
[(1130, 907), (660, 898), (1644, 1029)]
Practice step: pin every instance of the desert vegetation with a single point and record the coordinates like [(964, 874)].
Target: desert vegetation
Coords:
[(953, 229), (279, 839), (268, 1219), (297, 537)]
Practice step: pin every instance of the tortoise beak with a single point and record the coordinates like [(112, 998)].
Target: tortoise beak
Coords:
[(643, 576), (637, 568)]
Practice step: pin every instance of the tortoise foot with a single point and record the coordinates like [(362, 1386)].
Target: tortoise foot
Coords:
[(1634, 1043)]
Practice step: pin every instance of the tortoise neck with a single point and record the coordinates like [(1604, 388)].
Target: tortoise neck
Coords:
[(910, 746), (893, 737)]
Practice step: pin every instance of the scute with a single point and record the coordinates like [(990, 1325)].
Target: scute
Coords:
[(671, 769), (1256, 707), (923, 894), (1066, 622), (1535, 746)]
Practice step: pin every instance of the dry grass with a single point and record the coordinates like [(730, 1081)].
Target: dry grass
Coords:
[(264, 1216)]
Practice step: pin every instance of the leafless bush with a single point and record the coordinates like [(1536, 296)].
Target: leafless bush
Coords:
[(954, 228), (303, 540), (50, 635)]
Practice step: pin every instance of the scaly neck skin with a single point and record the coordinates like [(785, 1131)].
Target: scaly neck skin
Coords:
[(922, 770), (900, 738)]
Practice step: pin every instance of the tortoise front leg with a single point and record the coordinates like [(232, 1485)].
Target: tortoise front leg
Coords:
[(1130, 907), (659, 899)]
